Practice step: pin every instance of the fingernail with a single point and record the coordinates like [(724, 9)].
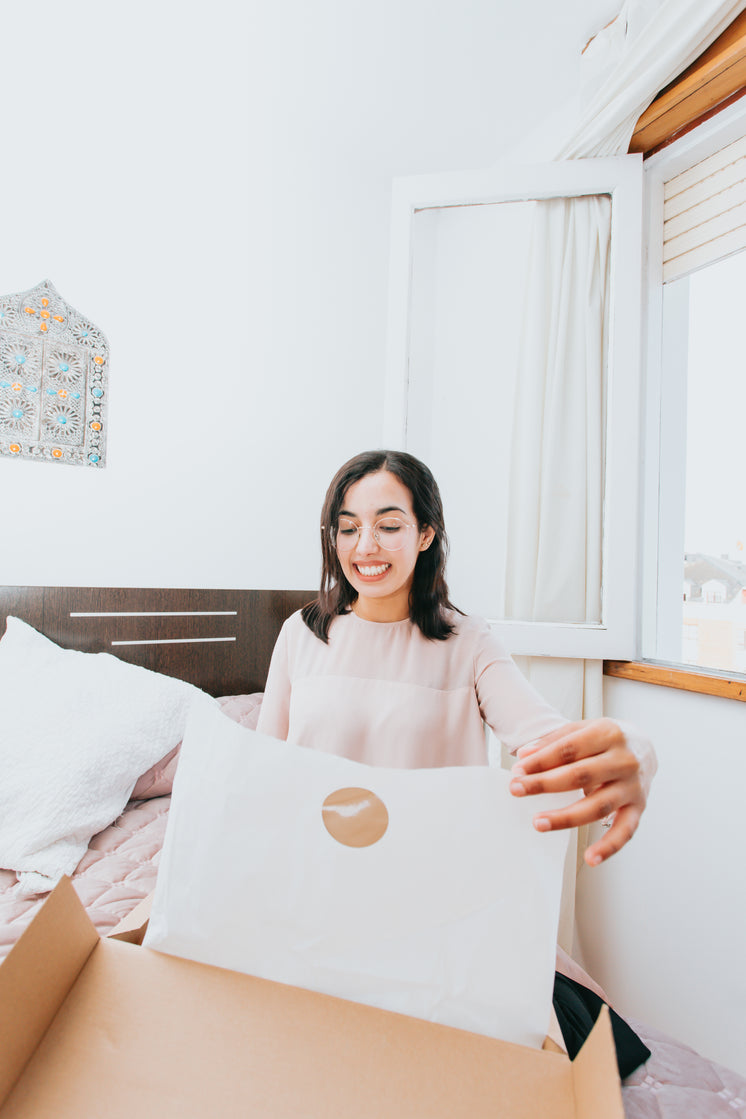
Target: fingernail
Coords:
[(517, 788), (593, 860), (518, 771), (541, 823)]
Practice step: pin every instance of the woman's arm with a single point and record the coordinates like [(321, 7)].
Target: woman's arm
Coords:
[(274, 715)]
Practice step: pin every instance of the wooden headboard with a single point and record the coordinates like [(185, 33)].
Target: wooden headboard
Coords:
[(220, 640)]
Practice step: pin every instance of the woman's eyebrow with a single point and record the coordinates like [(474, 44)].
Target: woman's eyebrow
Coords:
[(379, 512)]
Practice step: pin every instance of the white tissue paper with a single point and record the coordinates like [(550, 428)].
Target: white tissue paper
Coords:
[(451, 915)]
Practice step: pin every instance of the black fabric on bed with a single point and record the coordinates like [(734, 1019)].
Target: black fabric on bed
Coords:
[(577, 1009)]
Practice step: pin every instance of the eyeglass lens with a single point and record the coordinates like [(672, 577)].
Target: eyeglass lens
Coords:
[(390, 533)]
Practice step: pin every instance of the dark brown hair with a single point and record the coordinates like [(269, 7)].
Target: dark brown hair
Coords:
[(428, 597)]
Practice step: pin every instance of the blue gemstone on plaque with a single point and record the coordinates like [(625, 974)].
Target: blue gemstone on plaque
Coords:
[(93, 458), (20, 359), (63, 367), (97, 393)]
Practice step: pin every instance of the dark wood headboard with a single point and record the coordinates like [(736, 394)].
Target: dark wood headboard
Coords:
[(220, 640)]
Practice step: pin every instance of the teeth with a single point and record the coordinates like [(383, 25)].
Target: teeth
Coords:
[(377, 570)]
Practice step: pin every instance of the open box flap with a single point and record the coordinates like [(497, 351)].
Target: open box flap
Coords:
[(132, 927), (37, 976), (596, 1074)]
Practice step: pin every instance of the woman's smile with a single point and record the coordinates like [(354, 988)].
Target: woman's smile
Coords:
[(372, 571)]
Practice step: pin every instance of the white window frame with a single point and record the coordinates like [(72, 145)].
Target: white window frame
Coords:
[(664, 404), (616, 636)]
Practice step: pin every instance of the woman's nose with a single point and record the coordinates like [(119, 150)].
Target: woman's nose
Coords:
[(367, 540)]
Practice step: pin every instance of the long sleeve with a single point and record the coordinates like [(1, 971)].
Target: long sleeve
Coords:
[(642, 748), (518, 714), (274, 716), (509, 705)]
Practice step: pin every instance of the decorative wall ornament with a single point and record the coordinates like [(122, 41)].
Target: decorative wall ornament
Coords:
[(54, 371)]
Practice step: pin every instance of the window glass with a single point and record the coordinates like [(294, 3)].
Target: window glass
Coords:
[(713, 614)]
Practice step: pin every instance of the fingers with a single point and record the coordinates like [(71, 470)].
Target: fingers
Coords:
[(589, 773), (621, 831), (548, 739), (570, 743), (603, 802), (592, 756)]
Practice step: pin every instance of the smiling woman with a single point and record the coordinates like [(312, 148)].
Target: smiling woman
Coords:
[(383, 668)]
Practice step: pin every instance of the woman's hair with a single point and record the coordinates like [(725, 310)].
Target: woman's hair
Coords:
[(428, 597)]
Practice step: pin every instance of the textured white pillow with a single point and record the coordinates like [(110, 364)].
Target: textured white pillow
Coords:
[(76, 732)]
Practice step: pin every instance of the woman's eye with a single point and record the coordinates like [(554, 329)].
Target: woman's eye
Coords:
[(390, 527)]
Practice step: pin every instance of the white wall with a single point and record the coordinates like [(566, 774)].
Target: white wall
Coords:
[(210, 184), (663, 923)]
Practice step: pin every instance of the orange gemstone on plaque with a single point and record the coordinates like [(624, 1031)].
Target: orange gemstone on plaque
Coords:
[(99, 360), (16, 386), (58, 318), (62, 393), (56, 453), (95, 426), (14, 449), (44, 314), (45, 302), (43, 326), (29, 310)]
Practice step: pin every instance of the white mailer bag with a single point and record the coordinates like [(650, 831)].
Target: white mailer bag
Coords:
[(426, 891)]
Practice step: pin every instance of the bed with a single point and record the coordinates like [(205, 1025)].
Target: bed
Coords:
[(221, 642)]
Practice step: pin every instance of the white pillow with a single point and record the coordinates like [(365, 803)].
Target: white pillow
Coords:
[(76, 732), (449, 915)]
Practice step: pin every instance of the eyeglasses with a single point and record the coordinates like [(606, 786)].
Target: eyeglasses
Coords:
[(390, 533)]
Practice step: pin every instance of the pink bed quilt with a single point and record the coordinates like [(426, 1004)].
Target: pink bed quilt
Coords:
[(117, 871)]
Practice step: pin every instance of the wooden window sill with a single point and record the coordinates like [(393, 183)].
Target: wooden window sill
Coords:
[(686, 680)]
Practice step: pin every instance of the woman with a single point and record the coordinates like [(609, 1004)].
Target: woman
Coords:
[(383, 669)]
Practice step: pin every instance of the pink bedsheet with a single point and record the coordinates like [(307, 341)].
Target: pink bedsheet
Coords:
[(117, 871)]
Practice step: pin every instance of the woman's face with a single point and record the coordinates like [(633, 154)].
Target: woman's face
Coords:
[(381, 576)]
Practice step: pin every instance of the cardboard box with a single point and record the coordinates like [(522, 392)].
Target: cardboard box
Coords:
[(94, 1027)]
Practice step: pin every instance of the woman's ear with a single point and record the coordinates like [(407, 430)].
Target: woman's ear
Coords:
[(426, 537)]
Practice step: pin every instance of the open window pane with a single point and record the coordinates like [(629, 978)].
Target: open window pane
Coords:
[(457, 335)]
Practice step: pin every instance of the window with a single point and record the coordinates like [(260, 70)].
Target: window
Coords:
[(696, 401), (460, 244)]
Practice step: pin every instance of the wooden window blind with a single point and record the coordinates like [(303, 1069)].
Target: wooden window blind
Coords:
[(704, 212)]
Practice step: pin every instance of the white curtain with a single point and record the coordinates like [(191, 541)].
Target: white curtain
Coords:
[(556, 500)]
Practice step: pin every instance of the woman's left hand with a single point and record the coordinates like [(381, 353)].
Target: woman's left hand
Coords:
[(593, 756)]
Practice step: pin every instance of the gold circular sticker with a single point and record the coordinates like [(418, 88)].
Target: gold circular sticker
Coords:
[(355, 817)]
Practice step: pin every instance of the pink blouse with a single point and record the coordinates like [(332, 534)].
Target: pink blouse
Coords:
[(382, 693)]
